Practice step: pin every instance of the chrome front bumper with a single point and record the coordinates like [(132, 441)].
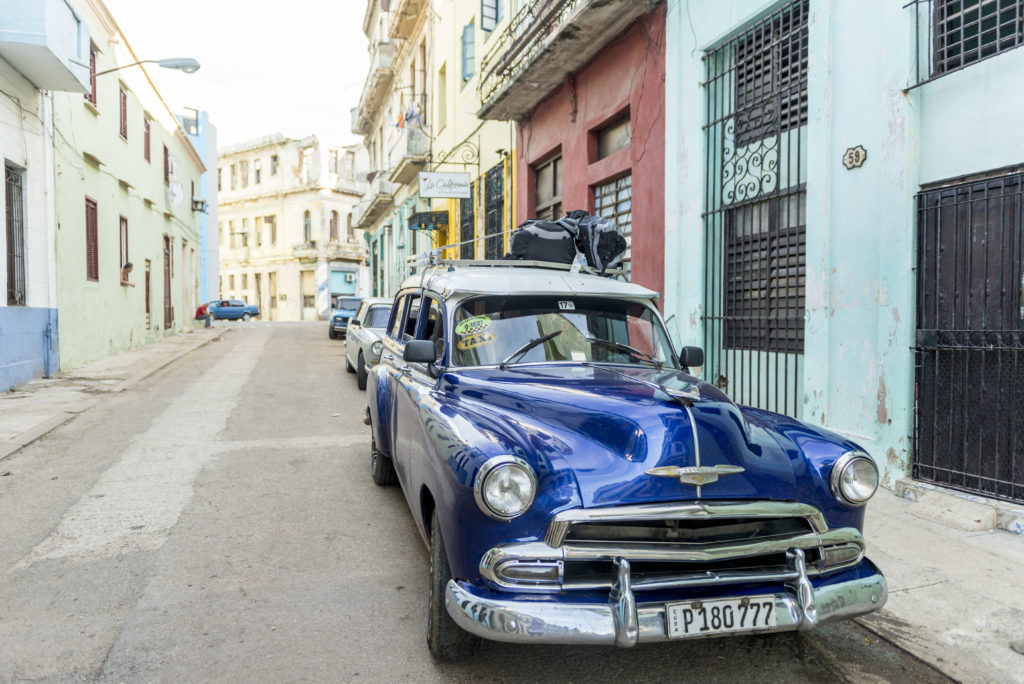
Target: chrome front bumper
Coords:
[(624, 622)]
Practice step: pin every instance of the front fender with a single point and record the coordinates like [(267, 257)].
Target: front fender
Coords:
[(379, 402), (459, 438)]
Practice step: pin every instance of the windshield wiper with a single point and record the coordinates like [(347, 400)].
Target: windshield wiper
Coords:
[(625, 348), (527, 347)]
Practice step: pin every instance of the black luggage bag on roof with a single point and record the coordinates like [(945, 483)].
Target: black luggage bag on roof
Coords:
[(539, 240)]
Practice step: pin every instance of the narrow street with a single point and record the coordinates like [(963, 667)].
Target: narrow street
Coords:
[(217, 522)]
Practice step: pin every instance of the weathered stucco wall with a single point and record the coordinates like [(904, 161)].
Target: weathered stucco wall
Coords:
[(628, 74), (861, 223)]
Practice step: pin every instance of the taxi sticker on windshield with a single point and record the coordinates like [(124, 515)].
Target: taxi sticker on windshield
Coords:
[(477, 340), (473, 326)]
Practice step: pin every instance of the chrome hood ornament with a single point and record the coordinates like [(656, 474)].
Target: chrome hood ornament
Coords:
[(695, 475)]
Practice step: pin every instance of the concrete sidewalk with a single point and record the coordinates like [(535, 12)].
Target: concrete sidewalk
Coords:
[(956, 596), (33, 409)]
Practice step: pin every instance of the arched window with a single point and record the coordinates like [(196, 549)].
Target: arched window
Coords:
[(351, 230), (334, 226), (307, 226)]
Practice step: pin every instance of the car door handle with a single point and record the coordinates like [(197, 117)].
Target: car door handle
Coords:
[(404, 370)]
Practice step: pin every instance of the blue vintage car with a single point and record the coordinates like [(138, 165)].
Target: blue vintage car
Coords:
[(576, 483), (344, 309)]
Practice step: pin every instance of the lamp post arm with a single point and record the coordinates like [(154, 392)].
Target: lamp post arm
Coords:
[(107, 71)]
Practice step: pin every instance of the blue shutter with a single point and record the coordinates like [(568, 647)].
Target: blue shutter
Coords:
[(468, 52), (490, 14)]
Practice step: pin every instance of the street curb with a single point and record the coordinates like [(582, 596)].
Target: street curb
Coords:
[(945, 505), (902, 640), (143, 374), (22, 440)]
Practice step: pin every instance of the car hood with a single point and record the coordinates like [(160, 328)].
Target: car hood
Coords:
[(609, 425)]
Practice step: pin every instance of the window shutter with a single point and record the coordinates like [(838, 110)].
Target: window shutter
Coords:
[(124, 113), (146, 138), (92, 268), (490, 14), (468, 52)]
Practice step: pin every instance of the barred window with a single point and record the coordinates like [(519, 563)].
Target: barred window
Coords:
[(968, 31), (614, 200), (771, 76), (765, 252), (15, 196), (467, 228)]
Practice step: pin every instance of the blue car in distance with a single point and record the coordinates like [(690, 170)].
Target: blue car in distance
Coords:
[(344, 309), (576, 483), (229, 309)]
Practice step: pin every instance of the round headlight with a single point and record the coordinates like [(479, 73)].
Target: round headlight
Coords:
[(505, 487), (376, 347), (854, 478)]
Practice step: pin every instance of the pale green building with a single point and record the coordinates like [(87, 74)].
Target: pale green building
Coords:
[(126, 193)]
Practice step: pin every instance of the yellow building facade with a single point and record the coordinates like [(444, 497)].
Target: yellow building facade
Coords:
[(417, 112)]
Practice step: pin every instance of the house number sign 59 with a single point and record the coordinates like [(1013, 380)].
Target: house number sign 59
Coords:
[(854, 157)]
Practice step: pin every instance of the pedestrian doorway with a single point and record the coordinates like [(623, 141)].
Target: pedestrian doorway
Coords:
[(168, 309), (969, 347)]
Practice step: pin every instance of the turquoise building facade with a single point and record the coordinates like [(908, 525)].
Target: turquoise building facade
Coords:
[(838, 176)]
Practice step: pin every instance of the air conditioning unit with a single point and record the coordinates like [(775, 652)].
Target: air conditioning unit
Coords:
[(350, 277), (199, 205)]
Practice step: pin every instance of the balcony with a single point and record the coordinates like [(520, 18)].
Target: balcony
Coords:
[(373, 205), (404, 14), (408, 154), (305, 251), (544, 43), (40, 39), (344, 251), (375, 89)]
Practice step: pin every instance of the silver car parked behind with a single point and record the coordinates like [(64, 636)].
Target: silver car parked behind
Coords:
[(363, 342)]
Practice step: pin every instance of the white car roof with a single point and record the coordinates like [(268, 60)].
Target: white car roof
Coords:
[(521, 280)]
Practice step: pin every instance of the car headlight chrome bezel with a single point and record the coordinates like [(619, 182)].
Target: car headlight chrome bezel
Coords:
[(376, 348), (487, 476), (848, 464)]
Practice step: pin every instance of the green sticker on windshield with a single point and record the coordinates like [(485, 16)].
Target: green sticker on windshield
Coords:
[(473, 326)]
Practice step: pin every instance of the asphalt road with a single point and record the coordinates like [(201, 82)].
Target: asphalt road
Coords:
[(217, 522)]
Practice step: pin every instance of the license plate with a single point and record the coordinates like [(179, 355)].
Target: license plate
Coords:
[(718, 616)]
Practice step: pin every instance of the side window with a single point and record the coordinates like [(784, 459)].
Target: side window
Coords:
[(412, 315), (433, 325), (395, 325)]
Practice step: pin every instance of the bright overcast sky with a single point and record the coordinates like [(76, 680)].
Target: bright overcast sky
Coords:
[(296, 66)]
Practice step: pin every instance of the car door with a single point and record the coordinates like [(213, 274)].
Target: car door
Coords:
[(415, 384), (391, 359), (354, 336)]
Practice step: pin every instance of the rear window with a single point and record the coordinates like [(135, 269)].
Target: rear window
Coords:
[(348, 303), (378, 317)]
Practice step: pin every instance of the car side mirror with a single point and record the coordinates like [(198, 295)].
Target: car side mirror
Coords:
[(419, 351), (354, 323), (692, 356)]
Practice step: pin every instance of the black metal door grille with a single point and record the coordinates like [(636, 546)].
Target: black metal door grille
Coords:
[(755, 211), (467, 224), (494, 216), (15, 194), (969, 413)]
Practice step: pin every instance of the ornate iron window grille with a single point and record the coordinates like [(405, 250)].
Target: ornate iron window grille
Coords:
[(494, 212), (755, 208)]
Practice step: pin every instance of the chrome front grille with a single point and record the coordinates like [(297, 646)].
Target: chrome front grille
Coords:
[(674, 545)]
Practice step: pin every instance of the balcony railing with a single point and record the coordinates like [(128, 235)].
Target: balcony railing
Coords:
[(544, 42), (382, 60), (404, 14), (377, 200), (409, 153)]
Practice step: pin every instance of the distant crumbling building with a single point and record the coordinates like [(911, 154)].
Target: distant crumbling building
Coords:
[(285, 231)]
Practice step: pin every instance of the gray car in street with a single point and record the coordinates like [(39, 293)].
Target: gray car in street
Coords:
[(363, 341)]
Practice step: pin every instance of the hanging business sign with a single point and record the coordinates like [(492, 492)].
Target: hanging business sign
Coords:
[(445, 185)]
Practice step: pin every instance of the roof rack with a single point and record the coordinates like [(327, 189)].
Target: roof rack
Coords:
[(429, 259)]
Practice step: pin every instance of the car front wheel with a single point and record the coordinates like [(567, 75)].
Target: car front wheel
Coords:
[(381, 467), (361, 372), (445, 639)]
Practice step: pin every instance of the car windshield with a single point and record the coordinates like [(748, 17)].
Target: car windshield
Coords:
[(601, 330), (377, 317), (348, 303)]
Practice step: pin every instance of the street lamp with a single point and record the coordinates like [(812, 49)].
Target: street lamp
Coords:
[(186, 64)]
